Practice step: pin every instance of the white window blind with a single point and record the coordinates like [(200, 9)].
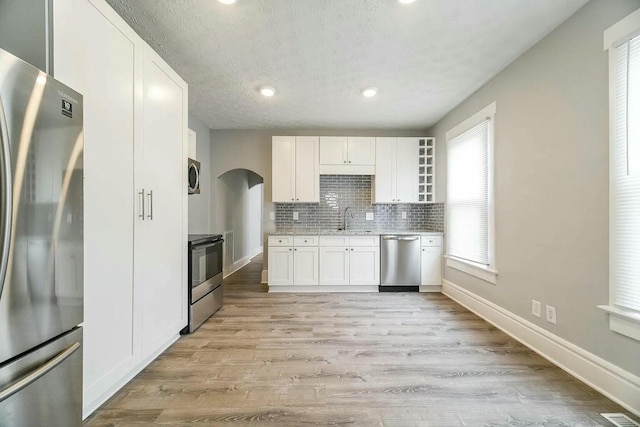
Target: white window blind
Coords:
[(625, 177), (468, 195)]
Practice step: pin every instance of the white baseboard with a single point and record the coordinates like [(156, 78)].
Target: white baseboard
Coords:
[(241, 262), (430, 288), (264, 279), (298, 289), (91, 404), (614, 382)]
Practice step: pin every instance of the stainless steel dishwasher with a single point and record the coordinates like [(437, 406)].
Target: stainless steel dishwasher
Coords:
[(399, 262)]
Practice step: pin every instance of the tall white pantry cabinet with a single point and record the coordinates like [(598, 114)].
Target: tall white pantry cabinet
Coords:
[(135, 199)]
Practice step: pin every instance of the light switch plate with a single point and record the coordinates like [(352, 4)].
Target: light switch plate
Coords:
[(404, 215), (295, 216), (369, 216), (272, 216)]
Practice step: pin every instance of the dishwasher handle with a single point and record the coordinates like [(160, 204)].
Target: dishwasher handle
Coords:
[(407, 238)]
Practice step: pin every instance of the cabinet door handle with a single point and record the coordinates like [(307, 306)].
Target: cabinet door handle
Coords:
[(352, 249), (289, 249), (141, 193), (150, 216), (296, 250), (346, 249), (349, 161)]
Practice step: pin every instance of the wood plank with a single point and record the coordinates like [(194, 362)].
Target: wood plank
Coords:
[(388, 359)]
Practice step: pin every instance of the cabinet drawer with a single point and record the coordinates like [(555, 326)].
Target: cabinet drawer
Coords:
[(334, 240), (280, 240), (364, 241), (431, 241), (305, 241)]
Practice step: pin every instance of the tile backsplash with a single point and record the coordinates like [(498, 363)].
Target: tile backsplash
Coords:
[(338, 192)]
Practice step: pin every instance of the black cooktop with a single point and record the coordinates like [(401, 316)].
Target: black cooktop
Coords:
[(195, 239)]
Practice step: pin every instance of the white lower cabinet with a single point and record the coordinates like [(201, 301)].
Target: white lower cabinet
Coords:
[(280, 265), (334, 265), (364, 265), (305, 266), (356, 262), (293, 261), (431, 264)]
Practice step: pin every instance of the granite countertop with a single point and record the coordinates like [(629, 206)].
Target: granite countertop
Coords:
[(326, 232)]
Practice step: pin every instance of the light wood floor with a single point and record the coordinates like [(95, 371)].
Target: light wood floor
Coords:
[(390, 359)]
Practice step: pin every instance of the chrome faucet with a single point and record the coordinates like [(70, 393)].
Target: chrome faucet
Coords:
[(344, 220)]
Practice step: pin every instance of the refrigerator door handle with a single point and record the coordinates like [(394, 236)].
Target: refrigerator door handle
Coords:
[(6, 196), (34, 375)]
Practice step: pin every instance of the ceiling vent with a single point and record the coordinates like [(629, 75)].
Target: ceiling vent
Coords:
[(621, 420)]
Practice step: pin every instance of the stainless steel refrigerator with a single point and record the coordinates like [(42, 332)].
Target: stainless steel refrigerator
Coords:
[(41, 243)]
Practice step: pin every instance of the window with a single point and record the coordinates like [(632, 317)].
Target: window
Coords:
[(623, 42), (470, 196)]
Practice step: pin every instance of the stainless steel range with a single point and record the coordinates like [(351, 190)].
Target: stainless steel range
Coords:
[(205, 278)]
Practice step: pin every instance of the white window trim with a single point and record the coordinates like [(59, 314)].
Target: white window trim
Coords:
[(473, 268), (622, 321), (486, 273)]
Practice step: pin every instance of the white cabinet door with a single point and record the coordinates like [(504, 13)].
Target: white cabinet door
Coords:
[(431, 266), (333, 150), (385, 178), (161, 235), (364, 265), (283, 158), (361, 150), (305, 266), (307, 164), (407, 170), (280, 265), (107, 83), (334, 265)]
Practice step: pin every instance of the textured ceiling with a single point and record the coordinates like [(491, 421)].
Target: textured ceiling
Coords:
[(425, 58)]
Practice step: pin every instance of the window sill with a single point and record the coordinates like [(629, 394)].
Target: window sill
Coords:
[(625, 322), (478, 270)]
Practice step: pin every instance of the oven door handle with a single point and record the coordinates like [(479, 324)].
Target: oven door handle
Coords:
[(207, 245)]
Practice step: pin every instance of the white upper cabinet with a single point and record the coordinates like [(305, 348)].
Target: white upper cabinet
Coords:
[(361, 150), (283, 163), (333, 150), (407, 170), (295, 174), (341, 155), (307, 176), (396, 178)]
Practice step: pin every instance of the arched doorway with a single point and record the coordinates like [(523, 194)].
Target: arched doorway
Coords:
[(239, 206)]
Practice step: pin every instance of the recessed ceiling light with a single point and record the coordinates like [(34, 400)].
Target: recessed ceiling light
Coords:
[(267, 91), (227, 1), (370, 91), (406, 1)]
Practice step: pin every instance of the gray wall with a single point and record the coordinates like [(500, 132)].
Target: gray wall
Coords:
[(24, 30), (251, 149), (551, 194), (200, 204)]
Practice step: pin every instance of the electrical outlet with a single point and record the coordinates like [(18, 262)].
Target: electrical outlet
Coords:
[(295, 216), (369, 216), (272, 216), (536, 308), (404, 215), (551, 314)]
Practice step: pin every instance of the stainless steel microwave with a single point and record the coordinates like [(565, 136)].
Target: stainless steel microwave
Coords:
[(194, 176)]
